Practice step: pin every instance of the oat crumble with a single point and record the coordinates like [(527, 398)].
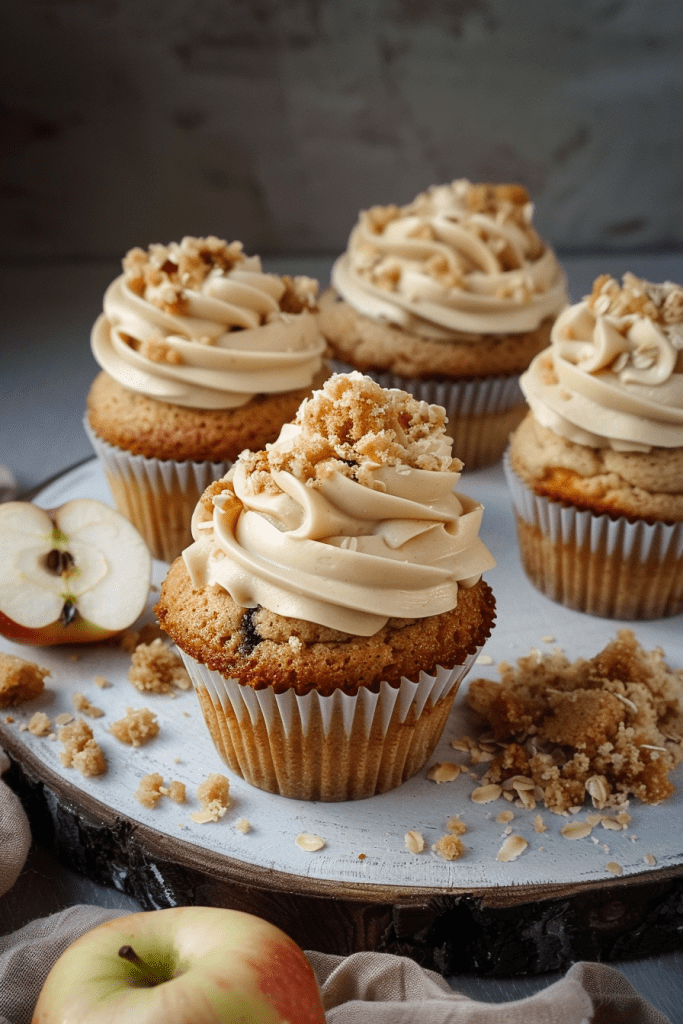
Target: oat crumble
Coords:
[(81, 751), (20, 680), (82, 704), (155, 668), (137, 727), (214, 796)]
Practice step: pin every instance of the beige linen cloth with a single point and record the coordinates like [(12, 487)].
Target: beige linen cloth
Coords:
[(366, 988)]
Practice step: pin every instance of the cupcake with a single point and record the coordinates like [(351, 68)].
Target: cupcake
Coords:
[(202, 355), (449, 298), (332, 601), (596, 467)]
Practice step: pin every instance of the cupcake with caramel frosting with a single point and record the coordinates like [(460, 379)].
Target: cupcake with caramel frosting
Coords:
[(449, 297), (332, 600), (202, 355), (596, 468)]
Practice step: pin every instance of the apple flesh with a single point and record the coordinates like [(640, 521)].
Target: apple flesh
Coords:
[(185, 965), (75, 574)]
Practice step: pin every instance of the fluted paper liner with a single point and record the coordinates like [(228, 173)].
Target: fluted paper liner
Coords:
[(482, 412), (616, 568), (336, 747), (157, 495)]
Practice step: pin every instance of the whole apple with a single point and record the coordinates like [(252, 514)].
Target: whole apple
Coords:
[(72, 575), (185, 965)]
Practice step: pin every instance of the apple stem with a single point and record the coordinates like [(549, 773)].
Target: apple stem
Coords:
[(153, 975)]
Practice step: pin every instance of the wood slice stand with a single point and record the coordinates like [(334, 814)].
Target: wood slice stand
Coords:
[(505, 931), (554, 905)]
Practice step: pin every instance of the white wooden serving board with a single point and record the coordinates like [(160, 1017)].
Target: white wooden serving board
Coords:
[(373, 827)]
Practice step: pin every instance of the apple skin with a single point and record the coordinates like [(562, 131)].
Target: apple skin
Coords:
[(223, 966), (104, 539)]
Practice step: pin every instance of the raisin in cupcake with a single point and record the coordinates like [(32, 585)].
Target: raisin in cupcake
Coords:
[(448, 298), (596, 468), (332, 601), (202, 355)]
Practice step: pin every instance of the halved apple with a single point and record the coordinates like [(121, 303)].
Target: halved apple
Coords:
[(74, 574)]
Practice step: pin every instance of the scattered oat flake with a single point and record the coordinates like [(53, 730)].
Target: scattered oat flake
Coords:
[(484, 659), (504, 817), (576, 830), (539, 825), (511, 848), (547, 639), (414, 841), (445, 771), (614, 868), (308, 842), (243, 825), (612, 824), (486, 794), (39, 724), (463, 743), (593, 819), (649, 859), (64, 718)]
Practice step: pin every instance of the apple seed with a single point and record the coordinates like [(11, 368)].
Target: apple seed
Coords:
[(68, 613)]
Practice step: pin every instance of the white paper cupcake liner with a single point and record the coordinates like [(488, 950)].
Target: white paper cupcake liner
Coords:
[(481, 412), (336, 747), (157, 495), (614, 568)]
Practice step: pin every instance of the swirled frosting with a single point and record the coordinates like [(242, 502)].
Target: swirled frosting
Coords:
[(613, 374), (198, 323), (461, 258), (348, 519)]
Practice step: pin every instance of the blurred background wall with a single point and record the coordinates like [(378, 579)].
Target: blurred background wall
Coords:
[(274, 121)]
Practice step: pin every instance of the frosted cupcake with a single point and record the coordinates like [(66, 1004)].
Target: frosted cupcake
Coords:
[(202, 355), (596, 468), (449, 298), (332, 601)]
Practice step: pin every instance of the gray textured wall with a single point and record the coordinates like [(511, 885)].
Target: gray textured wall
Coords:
[(274, 121)]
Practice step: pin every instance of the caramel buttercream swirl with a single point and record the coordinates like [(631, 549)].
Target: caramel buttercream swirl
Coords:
[(613, 374), (311, 541), (461, 260), (199, 324)]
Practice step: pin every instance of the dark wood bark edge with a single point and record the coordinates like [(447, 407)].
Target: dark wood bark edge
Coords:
[(492, 932)]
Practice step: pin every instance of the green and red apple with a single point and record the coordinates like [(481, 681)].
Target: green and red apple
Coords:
[(76, 574), (185, 965)]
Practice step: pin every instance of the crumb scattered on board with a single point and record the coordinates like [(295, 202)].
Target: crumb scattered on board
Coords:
[(609, 727), (308, 842), (81, 751), (152, 788), (137, 727), (214, 796), (155, 668), (82, 704), (20, 680)]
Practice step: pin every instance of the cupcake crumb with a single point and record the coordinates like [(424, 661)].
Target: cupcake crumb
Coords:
[(214, 796), (20, 680), (449, 847), (155, 668), (139, 726), (82, 704), (81, 751), (39, 724)]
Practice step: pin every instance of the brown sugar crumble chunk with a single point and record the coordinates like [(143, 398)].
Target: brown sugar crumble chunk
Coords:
[(152, 788), (82, 704), (81, 751), (137, 727), (155, 668), (610, 727), (449, 847), (20, 680), (39, 724), (214, 796), (352, 426)]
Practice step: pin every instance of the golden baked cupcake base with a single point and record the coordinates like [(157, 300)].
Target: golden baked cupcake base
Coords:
[(612, 567)]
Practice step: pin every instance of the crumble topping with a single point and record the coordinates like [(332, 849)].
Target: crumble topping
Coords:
[(609, 727), (152, 788), (155, 668), (636, 297), (20, 680), (39, 724), (137, 727), (164, 274), (82, 704), (450, 847), (353, 426), (214, 796), (81, 751)]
